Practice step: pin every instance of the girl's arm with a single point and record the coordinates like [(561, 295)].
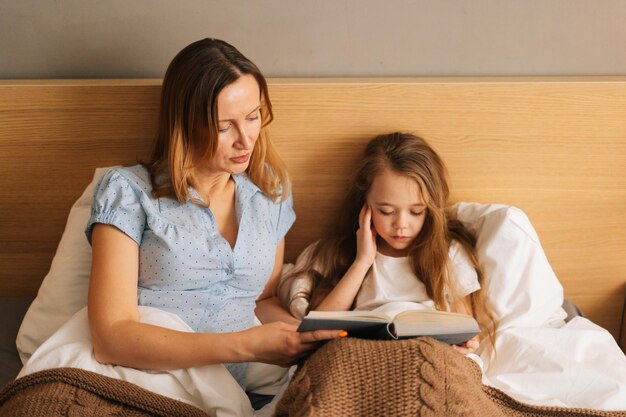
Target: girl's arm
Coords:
[(119, 338), (464, 306), (268, 306), (342, 296)]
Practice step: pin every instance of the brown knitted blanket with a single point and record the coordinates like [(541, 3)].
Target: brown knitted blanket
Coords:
[(416, 377), (76, 392)]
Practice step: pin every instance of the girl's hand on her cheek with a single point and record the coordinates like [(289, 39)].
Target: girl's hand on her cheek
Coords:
[(468, 347), (280, 344), (366, 237)]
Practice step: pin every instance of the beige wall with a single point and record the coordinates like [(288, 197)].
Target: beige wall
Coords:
[(137, 38)]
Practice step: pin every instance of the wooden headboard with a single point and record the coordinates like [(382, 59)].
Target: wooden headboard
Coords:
[(554, 147)]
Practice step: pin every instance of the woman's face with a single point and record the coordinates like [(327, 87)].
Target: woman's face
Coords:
[(239, 125)]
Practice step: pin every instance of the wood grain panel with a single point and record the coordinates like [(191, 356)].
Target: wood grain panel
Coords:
[(555, 147), (52, 137)]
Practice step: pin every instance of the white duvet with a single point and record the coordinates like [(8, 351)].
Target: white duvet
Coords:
[(210, 388), (576, 365)]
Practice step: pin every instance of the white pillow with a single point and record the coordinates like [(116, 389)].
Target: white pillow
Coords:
[(523, 289), (64, 289)]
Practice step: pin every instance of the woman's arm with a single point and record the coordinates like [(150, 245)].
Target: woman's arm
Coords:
[(342, 296), (268, 306), (119, 337)]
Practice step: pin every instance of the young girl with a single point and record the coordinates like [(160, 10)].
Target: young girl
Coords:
[(395, 240)]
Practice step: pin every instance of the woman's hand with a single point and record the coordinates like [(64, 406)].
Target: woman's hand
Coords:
[(366, 237), (280, 344), (468, 347)]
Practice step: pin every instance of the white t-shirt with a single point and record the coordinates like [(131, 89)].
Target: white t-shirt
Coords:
[(392, 280)]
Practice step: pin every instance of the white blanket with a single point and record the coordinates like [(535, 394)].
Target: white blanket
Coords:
[(210, 388), (576, 365)]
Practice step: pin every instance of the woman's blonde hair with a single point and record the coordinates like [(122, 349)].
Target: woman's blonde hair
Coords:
[(187, 131), (411, 156)]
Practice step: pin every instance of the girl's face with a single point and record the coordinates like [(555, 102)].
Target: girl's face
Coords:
[(239, 125), (398, 212)]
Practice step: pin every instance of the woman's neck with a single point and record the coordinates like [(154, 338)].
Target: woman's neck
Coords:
[(213, 186)]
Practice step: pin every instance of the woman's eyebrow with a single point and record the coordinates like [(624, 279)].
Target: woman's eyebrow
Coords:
[(255, 109), (229, 120)]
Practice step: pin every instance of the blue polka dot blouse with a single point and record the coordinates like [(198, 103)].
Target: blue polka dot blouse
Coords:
[(185, 266)]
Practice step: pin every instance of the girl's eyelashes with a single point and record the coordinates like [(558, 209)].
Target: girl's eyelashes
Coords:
[(389, 213), (223, 129)]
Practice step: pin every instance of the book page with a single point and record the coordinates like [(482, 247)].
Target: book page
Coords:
[(392, 309), (434, 322)]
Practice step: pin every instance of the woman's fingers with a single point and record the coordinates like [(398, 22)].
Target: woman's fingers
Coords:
[(310, 341), (281, 344), (321, 335), (307, 342)]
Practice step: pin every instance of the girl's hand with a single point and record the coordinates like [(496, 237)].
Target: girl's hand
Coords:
[(342, 296), (280, 344), (468, 347), (366, 237)]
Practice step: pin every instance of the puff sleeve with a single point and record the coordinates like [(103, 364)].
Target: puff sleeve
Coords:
[(117, 202)]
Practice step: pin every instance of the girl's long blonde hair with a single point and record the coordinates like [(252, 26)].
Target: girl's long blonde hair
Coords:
[(408, 155), (187, 131)]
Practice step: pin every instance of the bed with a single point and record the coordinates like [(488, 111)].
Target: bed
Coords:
[(553, 147)]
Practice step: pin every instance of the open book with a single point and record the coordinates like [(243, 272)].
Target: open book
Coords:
[(397, 320)]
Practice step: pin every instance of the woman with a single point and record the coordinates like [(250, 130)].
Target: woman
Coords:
[(198, 230)]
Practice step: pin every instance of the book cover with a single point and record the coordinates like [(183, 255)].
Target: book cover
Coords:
[(396, 321)]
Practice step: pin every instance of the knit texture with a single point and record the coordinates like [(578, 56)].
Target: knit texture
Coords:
[(415, 377), (75, 392)]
